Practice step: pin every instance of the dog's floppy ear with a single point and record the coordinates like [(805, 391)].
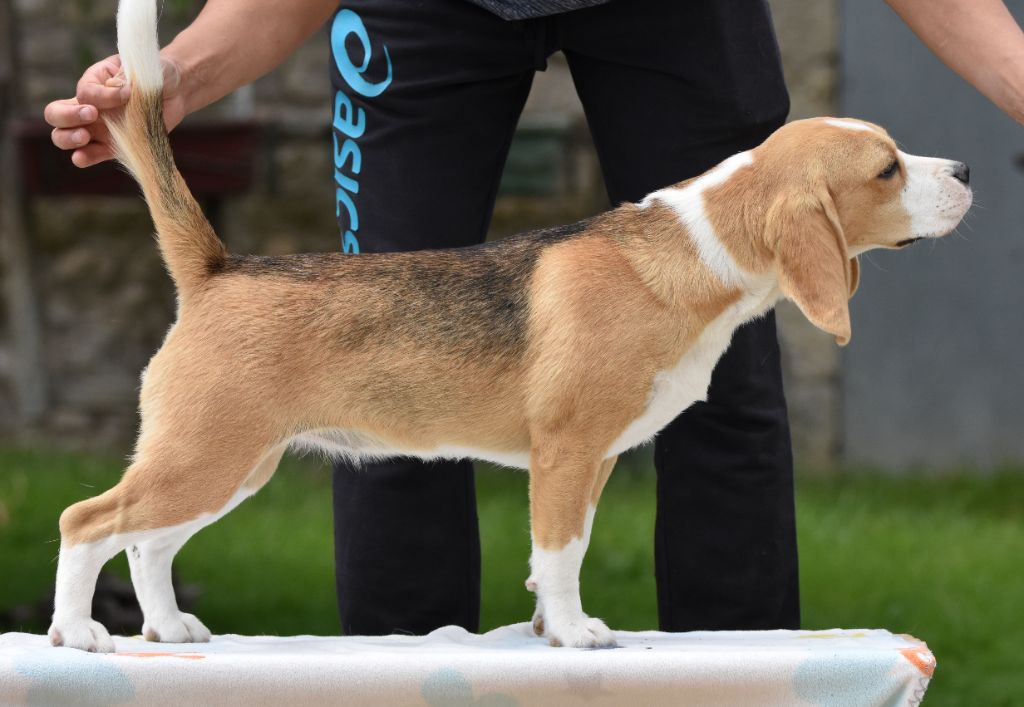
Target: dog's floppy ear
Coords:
[(812, 263)]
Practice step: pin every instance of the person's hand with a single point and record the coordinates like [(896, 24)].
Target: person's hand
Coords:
[(102, 89)]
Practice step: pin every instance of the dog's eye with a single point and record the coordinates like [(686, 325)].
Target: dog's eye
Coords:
[(889, 171)]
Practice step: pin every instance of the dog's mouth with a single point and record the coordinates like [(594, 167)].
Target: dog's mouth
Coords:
[(908, 241)]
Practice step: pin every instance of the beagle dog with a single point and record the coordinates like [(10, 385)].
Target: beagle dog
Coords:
[(553, 351)]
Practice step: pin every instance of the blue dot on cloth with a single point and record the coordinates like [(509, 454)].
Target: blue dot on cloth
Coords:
[(854, 680), (448, 687), (79, 678)]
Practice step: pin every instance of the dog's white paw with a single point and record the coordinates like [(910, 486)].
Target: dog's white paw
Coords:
[(183, 628), (83, 634), (584, 632)]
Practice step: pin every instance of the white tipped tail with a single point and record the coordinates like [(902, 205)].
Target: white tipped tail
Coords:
[(189, 246), (138, 45)]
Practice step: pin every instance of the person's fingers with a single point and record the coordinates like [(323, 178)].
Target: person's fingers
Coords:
[(103, 85), (69, 113), (98, 132), (70, 139), (103, 70), (91, 154), (112, 94)]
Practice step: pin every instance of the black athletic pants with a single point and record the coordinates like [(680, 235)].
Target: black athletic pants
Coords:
[(427, 95)]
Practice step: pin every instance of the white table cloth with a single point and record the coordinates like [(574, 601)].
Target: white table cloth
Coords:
[(450, 667)]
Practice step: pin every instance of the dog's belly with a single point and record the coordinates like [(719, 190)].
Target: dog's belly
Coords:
[(514, 460), (340, 443), (357, 446)]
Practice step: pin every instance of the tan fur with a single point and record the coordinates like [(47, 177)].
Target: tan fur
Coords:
[(250, 362), (800, 207), (631, 278), (260, 354), (259, 476), (187, 242), (603, 474)]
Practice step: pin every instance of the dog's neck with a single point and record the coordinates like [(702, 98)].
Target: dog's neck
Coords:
[(687, 267)]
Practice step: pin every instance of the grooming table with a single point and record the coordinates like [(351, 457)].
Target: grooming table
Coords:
[(503, 668)]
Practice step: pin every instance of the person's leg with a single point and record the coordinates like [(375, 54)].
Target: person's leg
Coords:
[(725, 538), (670, 89), (426, 98)]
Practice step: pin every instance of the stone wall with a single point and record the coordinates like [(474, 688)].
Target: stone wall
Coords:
[(106, 301)]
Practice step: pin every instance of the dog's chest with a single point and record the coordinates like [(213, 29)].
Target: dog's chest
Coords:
[(675, 389)]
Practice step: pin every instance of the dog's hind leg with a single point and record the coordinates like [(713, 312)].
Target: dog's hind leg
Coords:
[(169, 492), (150, 562), (78, 567)]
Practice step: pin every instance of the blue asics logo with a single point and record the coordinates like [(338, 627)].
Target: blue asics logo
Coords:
[(350, 122)]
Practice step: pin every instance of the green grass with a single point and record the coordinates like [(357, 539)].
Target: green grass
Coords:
[(938, 557)]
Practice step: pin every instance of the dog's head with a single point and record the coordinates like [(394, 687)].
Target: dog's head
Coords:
[(835, 188)]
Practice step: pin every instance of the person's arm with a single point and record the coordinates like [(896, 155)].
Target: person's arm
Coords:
[(234, 42), (230, 43), (978, 39)]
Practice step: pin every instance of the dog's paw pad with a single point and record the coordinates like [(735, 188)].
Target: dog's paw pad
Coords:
[(83, 634), (183, 628)]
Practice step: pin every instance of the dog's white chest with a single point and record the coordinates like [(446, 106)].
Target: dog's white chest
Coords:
[(675, 389)]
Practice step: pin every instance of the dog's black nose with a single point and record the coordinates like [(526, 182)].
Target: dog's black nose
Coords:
[(962, 172)]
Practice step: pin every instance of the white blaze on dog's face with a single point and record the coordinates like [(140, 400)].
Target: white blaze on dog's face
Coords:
[(935, 194)]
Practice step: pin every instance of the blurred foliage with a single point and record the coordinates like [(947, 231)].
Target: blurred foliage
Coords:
[(935, 556)]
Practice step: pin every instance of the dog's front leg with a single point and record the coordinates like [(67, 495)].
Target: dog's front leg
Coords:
[(564, 488)]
